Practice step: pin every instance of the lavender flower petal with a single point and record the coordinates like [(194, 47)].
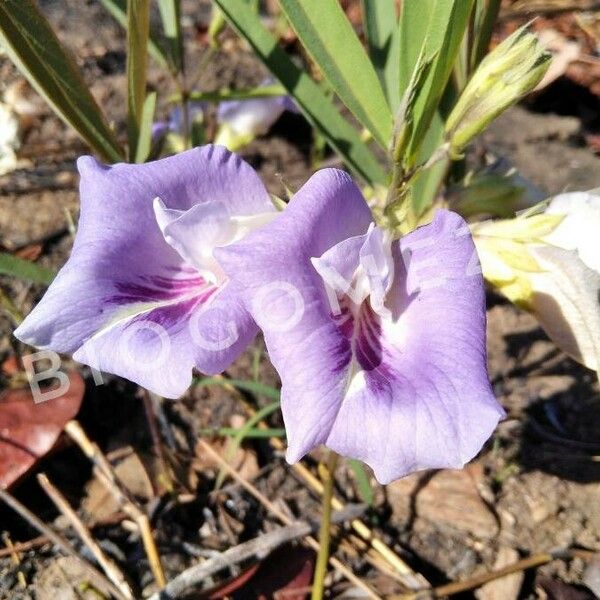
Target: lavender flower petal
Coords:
[(395, 377), (125, 294)]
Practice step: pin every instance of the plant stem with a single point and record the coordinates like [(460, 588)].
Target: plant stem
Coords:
[(327, 472)]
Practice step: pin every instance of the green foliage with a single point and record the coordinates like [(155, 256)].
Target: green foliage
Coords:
[(144, 144), (362, 481), (309, 96), (118, 9), (381, 30), (253, 387), (328, 36), (267, 91), (33, 46), (437, 26), (25, 269), (170, 13), (138, 31)]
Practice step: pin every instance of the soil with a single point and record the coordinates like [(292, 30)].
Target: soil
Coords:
[(534, 488)]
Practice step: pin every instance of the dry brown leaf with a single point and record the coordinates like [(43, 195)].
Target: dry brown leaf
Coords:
[(28, 430), (99, 503)]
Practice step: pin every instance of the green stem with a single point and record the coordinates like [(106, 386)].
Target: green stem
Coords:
[(327, 472)]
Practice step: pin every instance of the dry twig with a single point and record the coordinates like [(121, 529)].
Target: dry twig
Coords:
[(105, 473), (110, 568), (334, 562), (409, 578), (258, 547), (458, 587), (61, 542)]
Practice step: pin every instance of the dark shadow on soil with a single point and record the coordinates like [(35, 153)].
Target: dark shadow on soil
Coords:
[(560, 435), (564, 97)]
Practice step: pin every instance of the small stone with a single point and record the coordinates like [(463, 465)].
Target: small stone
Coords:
[(505, 588)]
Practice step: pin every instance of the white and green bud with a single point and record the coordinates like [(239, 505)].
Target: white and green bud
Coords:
[(509, 72)]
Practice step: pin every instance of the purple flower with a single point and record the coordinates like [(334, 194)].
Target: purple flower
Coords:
[(142, 295), (380, 344), (175, 123)]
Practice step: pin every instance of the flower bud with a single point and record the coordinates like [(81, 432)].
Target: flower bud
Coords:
[(504, 76)]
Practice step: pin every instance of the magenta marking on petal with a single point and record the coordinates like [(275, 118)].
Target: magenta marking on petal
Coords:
[(368, 339), (170, 315), (344, 355), (156, 289), (344, 319)]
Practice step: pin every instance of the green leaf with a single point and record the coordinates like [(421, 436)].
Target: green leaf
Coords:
[(487, 13), (138, 31), (247, 386), (34, 48), (329, 38), (25, 269), (427, 183), (118, 10), (145, 140), (170, 14), (439, 25), (381, 29), (309, 96), (362, 481), (249, 425), (260, 433), (267, 91)]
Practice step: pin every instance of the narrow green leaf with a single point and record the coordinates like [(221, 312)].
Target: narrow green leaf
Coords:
[(440, 26), (247, 386), (25, 269), (427, 183), (309, 96), (267, 91), (260, 433), (236, 442), (138, 31), (33, 46), (380, 22), (170, 13), (488, 11), (145, 140), (329, 38), (362, 481), (118, 10)]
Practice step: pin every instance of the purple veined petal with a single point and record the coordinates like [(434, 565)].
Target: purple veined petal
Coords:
[(402, 389), (418, 394), (288, 300), (122, 274)]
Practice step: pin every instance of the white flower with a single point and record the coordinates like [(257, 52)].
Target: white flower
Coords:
[(549, 263)]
